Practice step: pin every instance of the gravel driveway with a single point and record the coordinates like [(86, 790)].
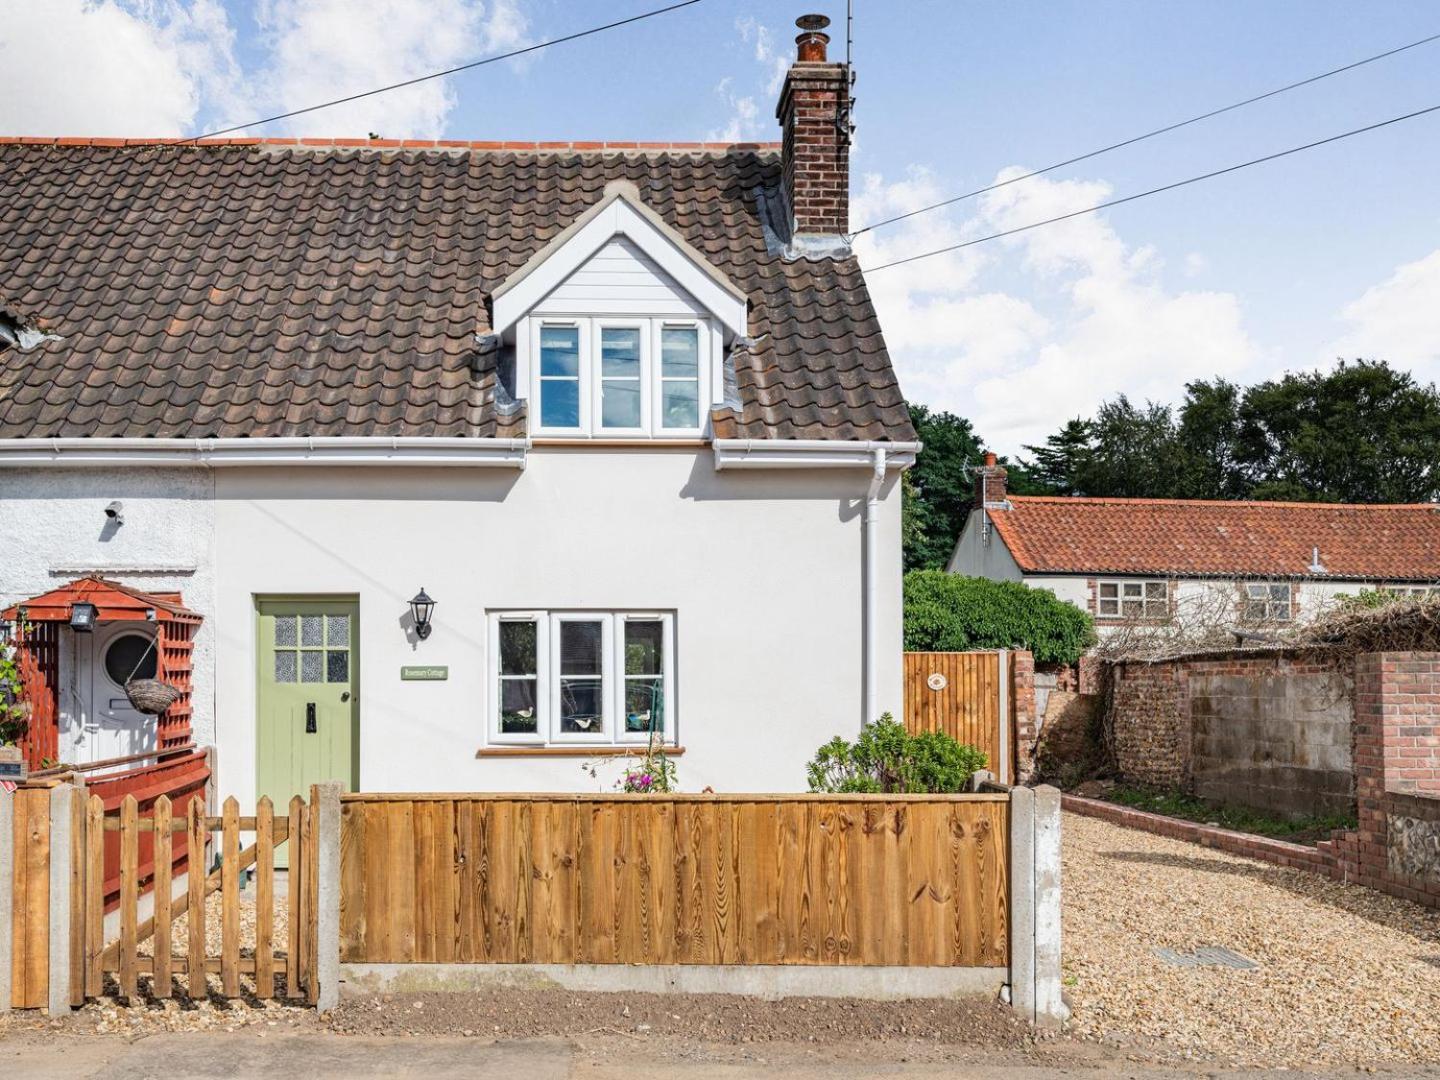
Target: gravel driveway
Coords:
[(1345, 975)]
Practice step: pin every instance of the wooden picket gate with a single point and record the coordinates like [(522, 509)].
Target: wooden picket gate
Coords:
[(122, 957)]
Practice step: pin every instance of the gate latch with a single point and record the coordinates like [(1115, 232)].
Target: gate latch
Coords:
[(310, 718)]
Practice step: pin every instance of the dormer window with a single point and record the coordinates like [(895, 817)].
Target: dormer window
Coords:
[(621, 376)]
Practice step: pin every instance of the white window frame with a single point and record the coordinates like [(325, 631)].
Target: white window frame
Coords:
[(583, 391), (667, 674), (591, 383), (1246, 600), (547, 684), (597, 409), (542, 667), (1121, 583)]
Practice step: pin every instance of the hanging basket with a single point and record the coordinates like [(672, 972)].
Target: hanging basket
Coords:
[(151, 696)]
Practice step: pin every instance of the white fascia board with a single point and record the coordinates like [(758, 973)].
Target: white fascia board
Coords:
[(262, 452), (618, 215), (811, 453)]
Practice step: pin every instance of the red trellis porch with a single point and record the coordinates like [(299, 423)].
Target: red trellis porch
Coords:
[(39, 623)]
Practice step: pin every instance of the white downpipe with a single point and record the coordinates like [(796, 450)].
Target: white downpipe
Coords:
[(871, 692)]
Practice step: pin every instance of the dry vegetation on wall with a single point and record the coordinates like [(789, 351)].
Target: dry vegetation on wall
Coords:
[(1343, 628)]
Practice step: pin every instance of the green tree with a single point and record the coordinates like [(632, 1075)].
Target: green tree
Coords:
[(1208, 443), (1056, 465), (950, 613), (1134, 452), (1362, 432), (938, 498)]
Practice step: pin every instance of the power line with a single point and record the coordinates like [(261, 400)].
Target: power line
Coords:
[(449, 71), (1147, 135), (1154, 191)]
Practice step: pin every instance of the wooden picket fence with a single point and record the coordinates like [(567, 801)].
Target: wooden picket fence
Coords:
[(122, 957)]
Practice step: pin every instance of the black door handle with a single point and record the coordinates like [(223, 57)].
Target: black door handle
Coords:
[(310, 718)]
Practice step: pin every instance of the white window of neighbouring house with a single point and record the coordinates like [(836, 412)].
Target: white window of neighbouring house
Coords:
[(622, 378), (1120, 599), (581, 677), (1267, 602)]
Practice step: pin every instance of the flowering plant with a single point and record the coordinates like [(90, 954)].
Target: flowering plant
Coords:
[(654, 774)]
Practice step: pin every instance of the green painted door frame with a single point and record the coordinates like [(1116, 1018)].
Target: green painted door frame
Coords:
[(307, 696)]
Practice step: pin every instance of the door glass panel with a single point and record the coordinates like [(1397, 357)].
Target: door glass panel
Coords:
[(285, 630), (129, 653), (337, 667), (337, 631), (285, 670), (311, 667), (310, 630)]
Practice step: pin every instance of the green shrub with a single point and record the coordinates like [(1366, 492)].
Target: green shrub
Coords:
[(886, 759), (949, 613)]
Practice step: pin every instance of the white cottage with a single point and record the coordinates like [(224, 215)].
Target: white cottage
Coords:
[(622, 412), (1154, 562)]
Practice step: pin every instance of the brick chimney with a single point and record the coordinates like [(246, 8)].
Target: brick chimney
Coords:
[(814, 118), (990, 487)]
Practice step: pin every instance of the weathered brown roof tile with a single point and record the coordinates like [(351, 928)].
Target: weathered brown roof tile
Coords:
[(251, 287)]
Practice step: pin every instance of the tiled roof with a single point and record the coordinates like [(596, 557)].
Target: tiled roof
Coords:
[(314, 287), (1221, 539)]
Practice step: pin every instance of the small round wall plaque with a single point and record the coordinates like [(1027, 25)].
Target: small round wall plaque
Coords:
[(936, 681)]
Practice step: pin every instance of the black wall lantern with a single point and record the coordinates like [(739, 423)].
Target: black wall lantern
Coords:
[(82, 617), (421, 609)]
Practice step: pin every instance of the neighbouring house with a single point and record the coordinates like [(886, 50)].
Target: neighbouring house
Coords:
[(1133, 562), (622, 411)]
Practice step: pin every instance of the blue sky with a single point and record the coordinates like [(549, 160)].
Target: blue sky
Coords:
[(1281, 267)]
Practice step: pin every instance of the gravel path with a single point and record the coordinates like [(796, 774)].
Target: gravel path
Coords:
[(1345, 975)]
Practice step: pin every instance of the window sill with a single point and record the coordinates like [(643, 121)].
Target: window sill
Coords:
[(573, 751)]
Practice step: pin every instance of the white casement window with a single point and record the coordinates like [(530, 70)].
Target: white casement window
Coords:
[(1267, 602), (575, 677), (1410, 592), (1121, 599), (620, 377)]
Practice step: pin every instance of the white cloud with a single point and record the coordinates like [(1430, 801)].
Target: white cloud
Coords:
[(325, 49), (1397, 320), (748, 120), (141, 68), (1025, 332)]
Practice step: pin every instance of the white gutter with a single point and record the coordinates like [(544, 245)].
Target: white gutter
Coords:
[(871, 585), (261, 452), (810, 453)]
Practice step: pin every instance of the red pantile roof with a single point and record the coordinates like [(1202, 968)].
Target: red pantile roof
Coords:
[(1196, 538)]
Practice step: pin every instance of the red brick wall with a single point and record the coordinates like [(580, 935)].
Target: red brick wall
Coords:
[(1022, 697), (816, 159)]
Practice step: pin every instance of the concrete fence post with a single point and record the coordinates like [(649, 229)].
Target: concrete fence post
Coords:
[(327, 916), (7, 895), (62, 824), (1035, 905), (1049, 1008), (1022, 902)]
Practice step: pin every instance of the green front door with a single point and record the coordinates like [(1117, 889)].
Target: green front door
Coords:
[(308, 722)]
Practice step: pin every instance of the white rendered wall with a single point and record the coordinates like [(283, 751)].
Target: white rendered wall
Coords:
[(762, 569), (53, 529), (975, 556)]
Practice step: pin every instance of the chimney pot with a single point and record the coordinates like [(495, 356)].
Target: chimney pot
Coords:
[(812, 39), (990, 460)]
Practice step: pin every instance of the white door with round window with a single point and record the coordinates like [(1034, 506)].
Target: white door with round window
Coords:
[(107, 725)]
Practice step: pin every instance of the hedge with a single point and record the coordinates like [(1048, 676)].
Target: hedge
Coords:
[(949, 613)]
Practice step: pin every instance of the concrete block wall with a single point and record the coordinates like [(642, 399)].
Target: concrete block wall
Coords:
[(1268, 731), (1396, 764)]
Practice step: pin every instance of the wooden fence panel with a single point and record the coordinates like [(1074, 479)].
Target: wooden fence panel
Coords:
[(958, 693), (30, 919), (810, 880)]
